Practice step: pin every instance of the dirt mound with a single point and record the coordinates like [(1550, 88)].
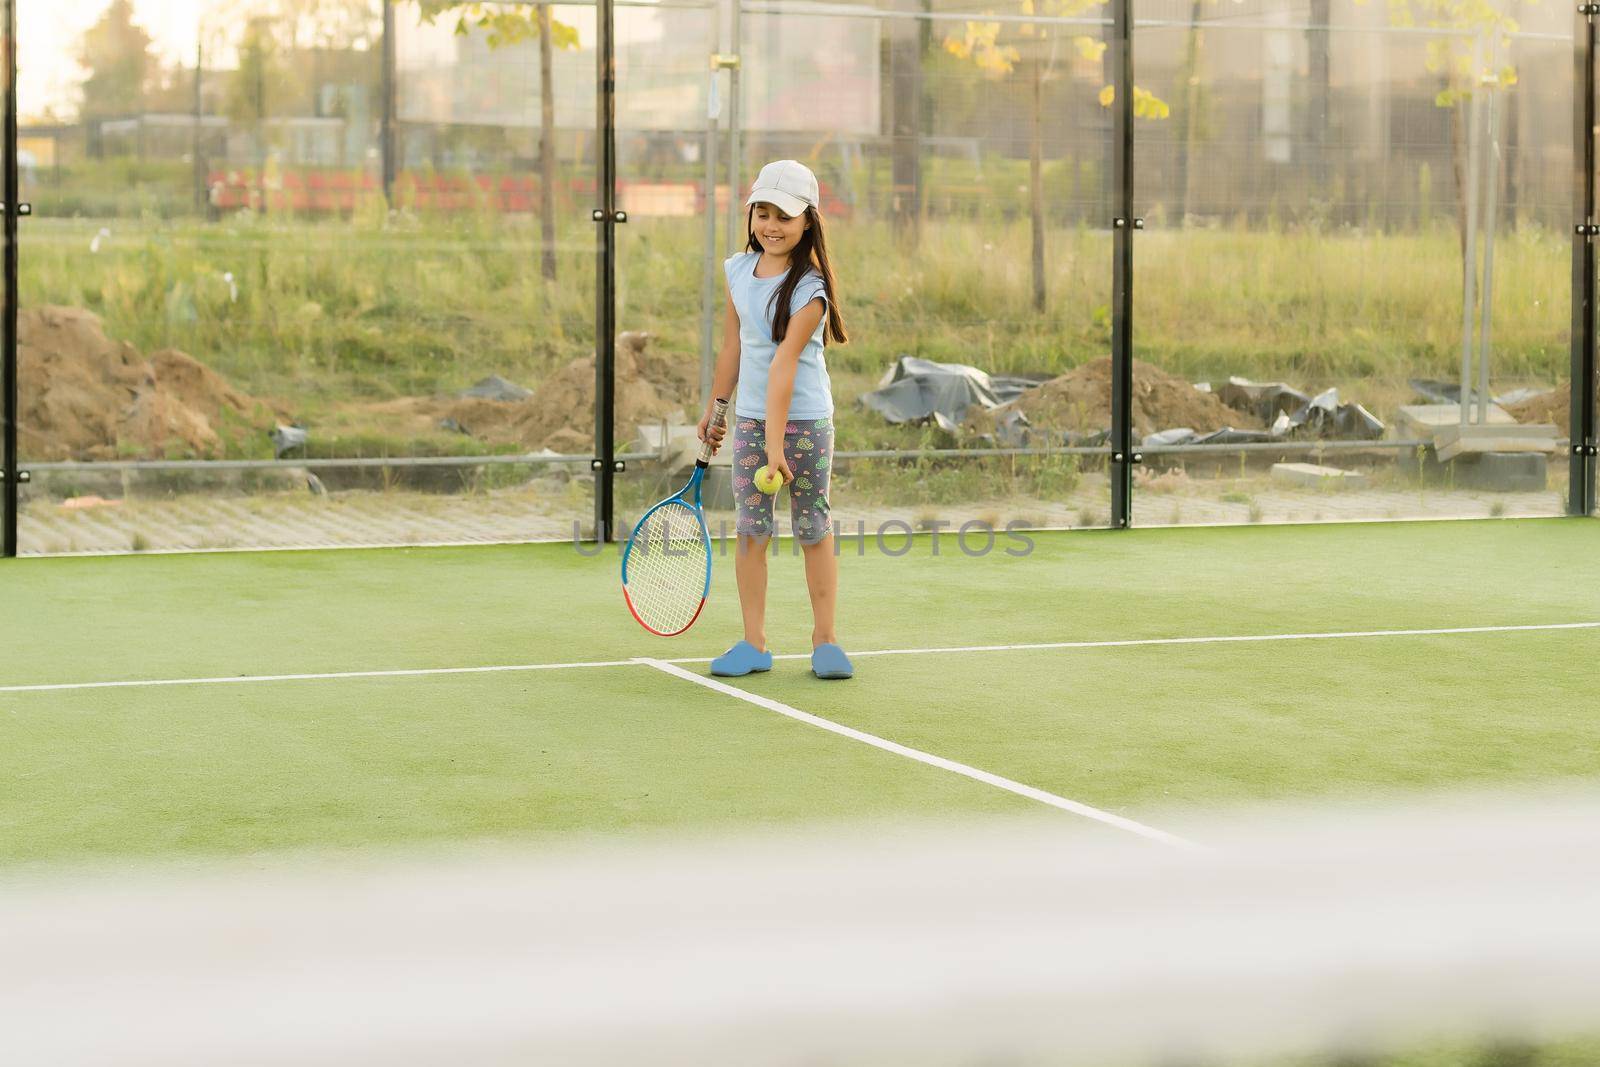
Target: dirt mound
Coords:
[(196, 385), (560, 413), (1080, 401), (87, 397), (1552, 407), (650, 387)]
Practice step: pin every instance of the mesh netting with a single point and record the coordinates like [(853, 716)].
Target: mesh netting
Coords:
[(1301, 935), (666, 570)]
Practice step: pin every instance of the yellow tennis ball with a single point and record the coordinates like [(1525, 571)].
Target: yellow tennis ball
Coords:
[(768, 480)]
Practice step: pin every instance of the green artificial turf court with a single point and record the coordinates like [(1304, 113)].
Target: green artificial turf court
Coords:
[(214, 768)]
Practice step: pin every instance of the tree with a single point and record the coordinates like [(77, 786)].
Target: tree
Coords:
[(170, 88), (334, 25), (510, 24), (906, 49), (1321, 63), (258, 86), (1513, 144), (1469, 70), (331, 39), (981, 43), (1464, 69), (1190, 109), (291, 38), (119, 66)]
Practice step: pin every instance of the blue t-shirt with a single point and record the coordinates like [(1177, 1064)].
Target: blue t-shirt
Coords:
[(752, 298)]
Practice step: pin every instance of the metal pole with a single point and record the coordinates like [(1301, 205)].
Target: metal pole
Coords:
[(708, 285), (1122, 226), (9, 404), (387, 131), (1490, 221), (199, 121), (1469, 258), (540, 459), (606, 216), (1581, 440), (738, 236), (364, 463), (261, 118)]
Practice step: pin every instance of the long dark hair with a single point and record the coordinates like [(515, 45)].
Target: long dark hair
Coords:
[(812, 251)]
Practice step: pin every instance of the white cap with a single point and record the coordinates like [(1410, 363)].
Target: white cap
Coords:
[(786, 183)]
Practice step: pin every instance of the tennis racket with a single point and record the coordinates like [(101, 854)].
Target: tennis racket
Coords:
[(666, 568)]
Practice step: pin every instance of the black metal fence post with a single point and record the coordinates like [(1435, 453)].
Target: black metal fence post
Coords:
[(1581, 487), (606, 216), (12, 209), (1123, 223)]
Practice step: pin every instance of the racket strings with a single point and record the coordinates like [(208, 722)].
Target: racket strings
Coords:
[(667, 569)]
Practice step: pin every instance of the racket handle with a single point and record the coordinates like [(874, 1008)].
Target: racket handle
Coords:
[(719, 419)]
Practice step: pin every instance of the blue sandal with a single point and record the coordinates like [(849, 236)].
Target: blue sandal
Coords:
[(829, 661), (740, 660)]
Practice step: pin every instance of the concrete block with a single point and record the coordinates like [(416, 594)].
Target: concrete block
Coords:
[(1452, 441), (1419, 422), (1310, 475), (1506, 472)]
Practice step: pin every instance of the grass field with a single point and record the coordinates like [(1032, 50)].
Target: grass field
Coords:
[(323, 316), (217, 764)]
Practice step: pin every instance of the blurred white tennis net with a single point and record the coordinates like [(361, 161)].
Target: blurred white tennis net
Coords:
[(1332, 931)]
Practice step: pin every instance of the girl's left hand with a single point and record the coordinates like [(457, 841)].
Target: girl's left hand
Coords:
[(776, 462)]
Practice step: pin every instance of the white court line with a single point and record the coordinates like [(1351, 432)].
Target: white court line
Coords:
[(1126, 643), (1136, 642), (241, 678), (931, 760)]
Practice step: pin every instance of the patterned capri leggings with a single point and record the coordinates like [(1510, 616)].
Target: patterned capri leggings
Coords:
[(808, 449)]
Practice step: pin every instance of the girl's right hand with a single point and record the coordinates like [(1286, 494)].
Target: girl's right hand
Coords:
[(715, 434)]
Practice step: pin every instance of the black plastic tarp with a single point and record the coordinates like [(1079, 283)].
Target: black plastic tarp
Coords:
[(1439, 392), (1289, 412), (1265, 400), (495, 387), (286, 439), (1324, 416), (1225, 436), (917, 389)]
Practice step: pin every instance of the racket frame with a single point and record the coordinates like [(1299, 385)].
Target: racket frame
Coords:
[(690, 497)]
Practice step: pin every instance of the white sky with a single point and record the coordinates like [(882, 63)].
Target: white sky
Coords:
[(48, 32)]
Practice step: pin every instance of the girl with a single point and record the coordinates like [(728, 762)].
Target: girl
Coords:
[(780, 302)]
